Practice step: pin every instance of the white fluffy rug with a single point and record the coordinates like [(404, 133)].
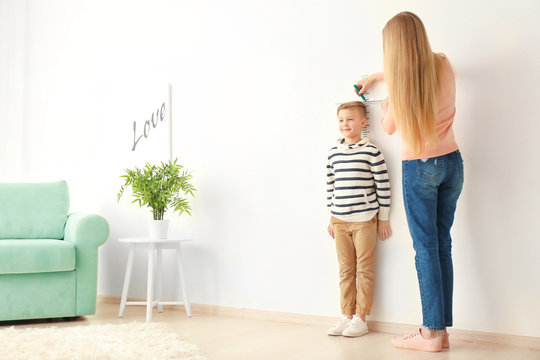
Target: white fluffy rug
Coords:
[(115, 342)]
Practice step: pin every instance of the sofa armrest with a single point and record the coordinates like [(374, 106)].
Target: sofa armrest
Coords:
[(87, 232)]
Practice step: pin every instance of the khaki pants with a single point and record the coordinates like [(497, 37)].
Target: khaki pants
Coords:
[(355, 245)]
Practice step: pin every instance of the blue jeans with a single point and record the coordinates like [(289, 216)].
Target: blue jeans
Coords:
[(431, 188)]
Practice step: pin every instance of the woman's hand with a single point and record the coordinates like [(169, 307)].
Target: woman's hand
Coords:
[(331, 230), (365, 83)]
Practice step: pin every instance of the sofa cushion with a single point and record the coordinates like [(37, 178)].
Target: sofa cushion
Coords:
[(36, 255), (33, 210)]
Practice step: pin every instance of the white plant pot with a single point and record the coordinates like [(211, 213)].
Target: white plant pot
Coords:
[(158, 229)]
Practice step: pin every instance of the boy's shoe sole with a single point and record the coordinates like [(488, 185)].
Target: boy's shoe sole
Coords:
[(333, 334), (353, 335)]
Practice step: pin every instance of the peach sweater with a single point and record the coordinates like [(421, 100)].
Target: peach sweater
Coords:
[(447, 109)]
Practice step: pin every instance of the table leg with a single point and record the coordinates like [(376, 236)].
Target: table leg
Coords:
[(159, 279), (182, 280), (150, 289), (127, 278)]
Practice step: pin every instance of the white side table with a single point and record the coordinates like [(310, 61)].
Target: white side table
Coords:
[(153, 246)]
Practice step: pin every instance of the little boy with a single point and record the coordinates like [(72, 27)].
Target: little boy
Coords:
[(358, 194)]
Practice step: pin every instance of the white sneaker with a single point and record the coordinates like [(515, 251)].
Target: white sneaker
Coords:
[(337, 329), (357, 327)]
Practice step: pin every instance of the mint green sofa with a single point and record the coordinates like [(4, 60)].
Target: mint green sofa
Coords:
[(48, 258)]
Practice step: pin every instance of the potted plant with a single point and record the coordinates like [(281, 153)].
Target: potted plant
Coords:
[(160, 188)]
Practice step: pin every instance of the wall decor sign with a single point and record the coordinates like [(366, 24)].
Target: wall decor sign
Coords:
[(151, 124), (157, 117)]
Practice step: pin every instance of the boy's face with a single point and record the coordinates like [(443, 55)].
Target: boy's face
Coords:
[(351, 122)]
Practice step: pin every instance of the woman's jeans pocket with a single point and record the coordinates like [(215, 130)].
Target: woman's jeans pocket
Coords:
[(430, 168)]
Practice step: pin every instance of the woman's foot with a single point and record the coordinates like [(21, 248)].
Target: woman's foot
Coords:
[(416, 341), (445, 340)]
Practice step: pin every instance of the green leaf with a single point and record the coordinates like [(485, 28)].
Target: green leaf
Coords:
[(159, 187)]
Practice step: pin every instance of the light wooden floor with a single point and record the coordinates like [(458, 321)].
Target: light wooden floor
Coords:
[(229, 338)]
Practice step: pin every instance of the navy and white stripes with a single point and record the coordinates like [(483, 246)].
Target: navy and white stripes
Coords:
[(357, 182)]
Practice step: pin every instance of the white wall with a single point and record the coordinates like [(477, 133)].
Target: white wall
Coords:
[(12, 42), (255, 86)]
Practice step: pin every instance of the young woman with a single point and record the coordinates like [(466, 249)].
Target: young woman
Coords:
[(421, 107)]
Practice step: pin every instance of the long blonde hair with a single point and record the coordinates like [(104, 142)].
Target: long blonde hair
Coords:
[(411, 73)]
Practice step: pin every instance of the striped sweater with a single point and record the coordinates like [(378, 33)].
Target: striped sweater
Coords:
[(357, 182)]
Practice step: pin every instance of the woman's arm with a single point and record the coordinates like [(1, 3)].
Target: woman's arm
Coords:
[(388, 122)]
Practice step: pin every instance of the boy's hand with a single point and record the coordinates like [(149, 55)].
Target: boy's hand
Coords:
[(384, 229), (331, 230)]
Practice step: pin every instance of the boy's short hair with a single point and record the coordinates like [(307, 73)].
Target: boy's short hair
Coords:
[(353, 105)]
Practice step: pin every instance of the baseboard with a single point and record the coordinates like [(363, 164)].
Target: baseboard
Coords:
[(528, 342)]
